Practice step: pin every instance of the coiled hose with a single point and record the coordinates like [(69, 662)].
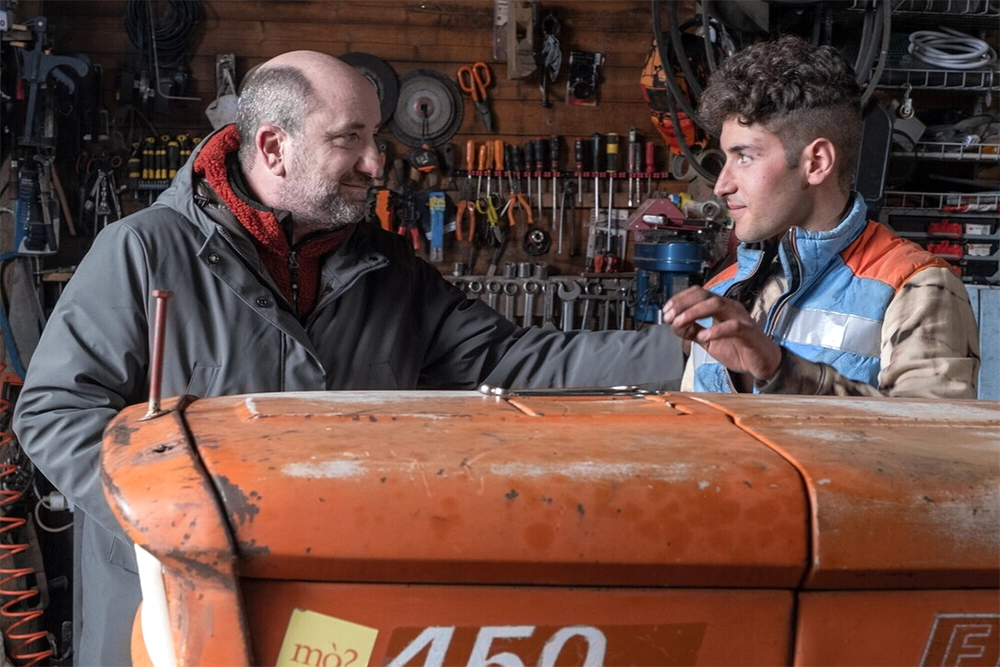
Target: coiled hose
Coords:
[(25, 639)]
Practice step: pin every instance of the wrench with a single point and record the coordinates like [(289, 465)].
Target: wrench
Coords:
[(530, 290), (474, 288), (594, 291), (509, 292), (493, 288), (568, 292), (548, 305)]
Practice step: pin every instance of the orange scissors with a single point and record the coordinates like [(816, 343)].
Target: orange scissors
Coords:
[(474, 80)]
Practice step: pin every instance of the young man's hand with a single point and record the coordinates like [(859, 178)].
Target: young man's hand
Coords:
[(733, 339)]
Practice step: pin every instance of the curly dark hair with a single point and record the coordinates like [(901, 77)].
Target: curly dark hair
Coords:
[(793, 89)]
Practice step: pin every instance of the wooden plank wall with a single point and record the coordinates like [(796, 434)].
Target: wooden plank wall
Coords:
[(407, 34)]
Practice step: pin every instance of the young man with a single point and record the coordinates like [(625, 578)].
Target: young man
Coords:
[(277, 286), (821, 300)]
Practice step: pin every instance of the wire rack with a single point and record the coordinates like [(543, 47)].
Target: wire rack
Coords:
[(953, 151), (943, 201), (951, 7)]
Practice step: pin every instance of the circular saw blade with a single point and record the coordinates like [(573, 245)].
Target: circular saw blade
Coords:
[(429, 109), (382, 76)]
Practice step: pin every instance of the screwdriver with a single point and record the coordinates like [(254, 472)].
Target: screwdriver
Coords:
[(612, 167), (633, 163), (578, 167), (516, 165), (508, 159), (498, 156), (470, 165), (480, 167), (554, 164), (539, 167), (595, 166), (529, 160), (489, 167)]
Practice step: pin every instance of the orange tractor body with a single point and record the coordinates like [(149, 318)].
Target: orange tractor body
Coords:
[(340, 529)]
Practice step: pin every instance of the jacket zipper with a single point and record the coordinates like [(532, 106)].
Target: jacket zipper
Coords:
[(774, 316), (293, 267)]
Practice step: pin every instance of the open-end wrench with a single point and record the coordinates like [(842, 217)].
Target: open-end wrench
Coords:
[(548, 305), (531, 288), (594, 291), (568, 292), (509, 292), (493, 288)]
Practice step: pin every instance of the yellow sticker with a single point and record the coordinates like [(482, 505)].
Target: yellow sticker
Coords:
[(319, 640)]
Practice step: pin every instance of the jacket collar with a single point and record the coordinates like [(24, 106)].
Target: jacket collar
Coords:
[(811, 251)]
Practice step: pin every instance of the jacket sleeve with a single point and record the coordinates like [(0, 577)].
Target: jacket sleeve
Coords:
[(91, 362), (929, 348), (541, 358)]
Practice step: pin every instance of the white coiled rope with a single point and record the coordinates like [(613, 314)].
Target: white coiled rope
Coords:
[(950, 49)]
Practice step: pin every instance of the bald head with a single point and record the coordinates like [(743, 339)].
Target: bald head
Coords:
[(284, 90), (307, 123)]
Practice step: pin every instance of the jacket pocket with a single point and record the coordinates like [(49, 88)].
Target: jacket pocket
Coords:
[(203, 380)]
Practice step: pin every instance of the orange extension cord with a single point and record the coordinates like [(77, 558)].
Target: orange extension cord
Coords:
[(16, 601)]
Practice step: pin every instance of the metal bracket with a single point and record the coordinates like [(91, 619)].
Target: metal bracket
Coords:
[(225, 74)]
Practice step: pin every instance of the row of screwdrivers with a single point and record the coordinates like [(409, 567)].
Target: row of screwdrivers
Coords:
[(539, 159), (158, 158)]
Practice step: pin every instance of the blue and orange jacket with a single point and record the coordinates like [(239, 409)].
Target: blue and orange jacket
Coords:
[(839, 284)]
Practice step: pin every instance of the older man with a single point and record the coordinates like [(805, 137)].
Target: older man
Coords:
[(278, 285)]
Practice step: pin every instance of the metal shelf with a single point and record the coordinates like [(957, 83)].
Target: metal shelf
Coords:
[(934, 203), (933, 150), (940, 7), (929, 78), (949, 7)]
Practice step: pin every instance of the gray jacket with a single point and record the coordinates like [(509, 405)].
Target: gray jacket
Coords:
[(384, 319)]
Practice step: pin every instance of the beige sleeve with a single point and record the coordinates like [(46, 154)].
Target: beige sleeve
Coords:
[(929, 348), (930, 341)]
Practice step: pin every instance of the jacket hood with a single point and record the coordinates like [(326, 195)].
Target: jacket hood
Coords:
[(183, 194)]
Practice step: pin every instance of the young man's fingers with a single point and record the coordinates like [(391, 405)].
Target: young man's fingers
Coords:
[(706, 305)]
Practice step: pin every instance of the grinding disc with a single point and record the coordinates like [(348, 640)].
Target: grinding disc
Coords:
[(429, 109), (382, 76)]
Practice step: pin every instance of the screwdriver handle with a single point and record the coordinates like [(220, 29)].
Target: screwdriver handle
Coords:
[(650, 156), (498, 155), (611, 151), (516, 161), (578, 154), (633, 150), (595, 152), (529, 155), (539, 154), (470, 155), (554, 152), (482, 158)]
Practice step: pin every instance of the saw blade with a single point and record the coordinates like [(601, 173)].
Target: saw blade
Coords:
[(382, 76), (429, 109)]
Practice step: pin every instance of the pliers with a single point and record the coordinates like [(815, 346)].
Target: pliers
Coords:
[(465, 210), (515, 200)]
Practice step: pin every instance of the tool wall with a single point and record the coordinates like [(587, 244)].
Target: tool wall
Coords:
[(149, 111), (515, 131)]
